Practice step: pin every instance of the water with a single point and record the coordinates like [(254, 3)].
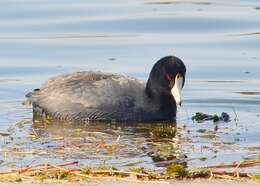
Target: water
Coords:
[(217, 40)]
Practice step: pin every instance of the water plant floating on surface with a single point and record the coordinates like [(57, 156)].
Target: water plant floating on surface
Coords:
[(201, 117)]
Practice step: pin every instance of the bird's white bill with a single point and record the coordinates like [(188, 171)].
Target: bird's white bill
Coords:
[(176, 89)]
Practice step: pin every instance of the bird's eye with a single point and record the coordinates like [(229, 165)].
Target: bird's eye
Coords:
[(169, 77)]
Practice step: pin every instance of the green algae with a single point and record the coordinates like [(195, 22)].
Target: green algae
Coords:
[(256, 177), (201, 117), (176, 171)]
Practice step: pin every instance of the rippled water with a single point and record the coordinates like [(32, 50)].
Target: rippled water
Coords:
[(218, 41)]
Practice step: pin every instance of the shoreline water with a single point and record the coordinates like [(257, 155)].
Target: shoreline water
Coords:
[(44, 39)]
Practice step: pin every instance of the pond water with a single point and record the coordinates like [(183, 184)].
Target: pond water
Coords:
[(218, 40)]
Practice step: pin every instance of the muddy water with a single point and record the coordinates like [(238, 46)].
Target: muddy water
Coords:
[(218, 41)]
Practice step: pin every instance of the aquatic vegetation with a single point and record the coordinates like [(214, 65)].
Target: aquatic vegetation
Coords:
[(163, 132), (74, 171), (138, 169), (20, 124), (176, 171), (79, 141), (209, 136), (256, 177), (201, 117), (203, 158)]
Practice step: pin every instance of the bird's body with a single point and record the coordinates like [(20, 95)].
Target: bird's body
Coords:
[(97, 96), (93, 96)]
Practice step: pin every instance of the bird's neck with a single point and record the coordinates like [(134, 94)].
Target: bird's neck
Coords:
[(165, 101)]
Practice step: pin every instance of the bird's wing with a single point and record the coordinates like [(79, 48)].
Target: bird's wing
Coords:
[(84, 91)]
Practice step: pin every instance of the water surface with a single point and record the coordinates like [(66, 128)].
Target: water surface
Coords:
[(217, 40)]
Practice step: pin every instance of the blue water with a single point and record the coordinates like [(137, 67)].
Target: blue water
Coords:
[(218, 41)]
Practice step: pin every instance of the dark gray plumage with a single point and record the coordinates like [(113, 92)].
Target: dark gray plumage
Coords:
[(97, 96)]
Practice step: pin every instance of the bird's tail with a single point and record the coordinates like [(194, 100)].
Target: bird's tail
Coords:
[(30, 96)]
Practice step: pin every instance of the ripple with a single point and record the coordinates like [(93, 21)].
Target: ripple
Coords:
[(226, 102), (177, 2), (248, 93), (64, 36), (225, 81)]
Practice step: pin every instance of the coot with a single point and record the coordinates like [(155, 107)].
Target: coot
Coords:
[(97, 96)]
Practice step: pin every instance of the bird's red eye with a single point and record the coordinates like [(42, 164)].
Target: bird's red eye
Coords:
[(168, 77)]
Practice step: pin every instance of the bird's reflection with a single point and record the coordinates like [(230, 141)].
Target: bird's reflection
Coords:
[(154, 143)]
